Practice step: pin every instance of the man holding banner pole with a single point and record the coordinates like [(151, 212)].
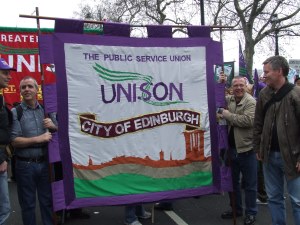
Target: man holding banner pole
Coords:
[(30, 137)]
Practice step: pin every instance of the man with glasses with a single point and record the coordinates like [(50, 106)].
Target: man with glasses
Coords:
[(241, 157)]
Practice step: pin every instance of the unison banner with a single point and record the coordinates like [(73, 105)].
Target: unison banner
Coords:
[(136, 118), (136, 105)]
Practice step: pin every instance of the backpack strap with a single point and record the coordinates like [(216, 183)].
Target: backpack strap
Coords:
[(1, 101), (4, 107), (286, 88), (19, 110), (10, 116)]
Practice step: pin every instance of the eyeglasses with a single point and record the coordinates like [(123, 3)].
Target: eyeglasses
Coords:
[(239, 85)]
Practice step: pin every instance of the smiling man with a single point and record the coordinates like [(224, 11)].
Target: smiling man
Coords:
[(277, 138), (241, 157), (30, 137), (5, 125)]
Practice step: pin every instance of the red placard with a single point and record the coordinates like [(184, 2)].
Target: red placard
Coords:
[(19, 47)]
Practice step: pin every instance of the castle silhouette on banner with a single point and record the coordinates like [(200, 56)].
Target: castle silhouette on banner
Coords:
[(194, 142)]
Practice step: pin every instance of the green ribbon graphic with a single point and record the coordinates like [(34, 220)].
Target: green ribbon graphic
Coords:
[(118, 76)]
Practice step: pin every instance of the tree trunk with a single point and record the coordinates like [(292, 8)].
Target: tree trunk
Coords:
[(249, 53)]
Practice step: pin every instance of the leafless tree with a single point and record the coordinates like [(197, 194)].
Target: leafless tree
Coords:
[(258, 20), (251, 18), (167, 12)]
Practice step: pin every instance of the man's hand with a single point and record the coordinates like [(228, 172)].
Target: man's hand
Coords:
[(298, 167), (47, 122), (45, 137), (226, 113), (3, 167), (219, 117), (258, 157), (222, 77), (24, 142)]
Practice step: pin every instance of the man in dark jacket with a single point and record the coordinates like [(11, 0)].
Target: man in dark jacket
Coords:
[(277, 138), (5, 123)]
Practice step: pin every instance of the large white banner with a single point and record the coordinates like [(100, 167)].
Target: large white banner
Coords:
[(137, 114), (178, 82)]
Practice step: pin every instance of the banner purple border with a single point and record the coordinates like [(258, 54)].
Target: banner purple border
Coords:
[(214, 56)]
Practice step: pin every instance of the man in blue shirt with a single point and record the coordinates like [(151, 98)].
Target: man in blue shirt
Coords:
[(30, 137)]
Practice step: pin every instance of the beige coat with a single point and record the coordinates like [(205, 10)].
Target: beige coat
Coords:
[(241, 117)]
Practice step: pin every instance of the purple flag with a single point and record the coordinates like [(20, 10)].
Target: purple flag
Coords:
[(116, 29), (258, 85), (255, 86), (242, 65), (158, 31), (69, 26), (199, 31)]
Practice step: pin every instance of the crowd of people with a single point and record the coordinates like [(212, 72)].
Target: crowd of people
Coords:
[(263, 151)]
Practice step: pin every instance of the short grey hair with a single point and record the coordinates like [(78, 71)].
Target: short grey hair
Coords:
[(278, 62), (30, 78), (238, 77)]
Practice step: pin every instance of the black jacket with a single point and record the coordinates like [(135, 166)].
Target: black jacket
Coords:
[(5, 129)]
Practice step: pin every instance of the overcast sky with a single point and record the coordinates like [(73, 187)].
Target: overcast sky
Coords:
[(10, 11)]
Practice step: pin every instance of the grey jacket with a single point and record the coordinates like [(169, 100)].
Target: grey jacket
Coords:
[(241, 117), (287, 112)]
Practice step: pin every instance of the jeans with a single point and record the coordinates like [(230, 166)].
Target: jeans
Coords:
[(33, 178), (274, 181), (244, 164), (4, 198), (132, 212)]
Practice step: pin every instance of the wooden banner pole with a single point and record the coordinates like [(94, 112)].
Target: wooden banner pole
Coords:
[(51, 168), (133, 25)]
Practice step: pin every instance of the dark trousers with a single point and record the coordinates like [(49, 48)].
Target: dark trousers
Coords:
[(245, 165), (33, 179)]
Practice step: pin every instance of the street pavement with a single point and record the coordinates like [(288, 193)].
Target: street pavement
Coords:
[(205, 210)]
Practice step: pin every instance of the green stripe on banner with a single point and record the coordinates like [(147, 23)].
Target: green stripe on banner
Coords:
[(111, 185), (12, 50)]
